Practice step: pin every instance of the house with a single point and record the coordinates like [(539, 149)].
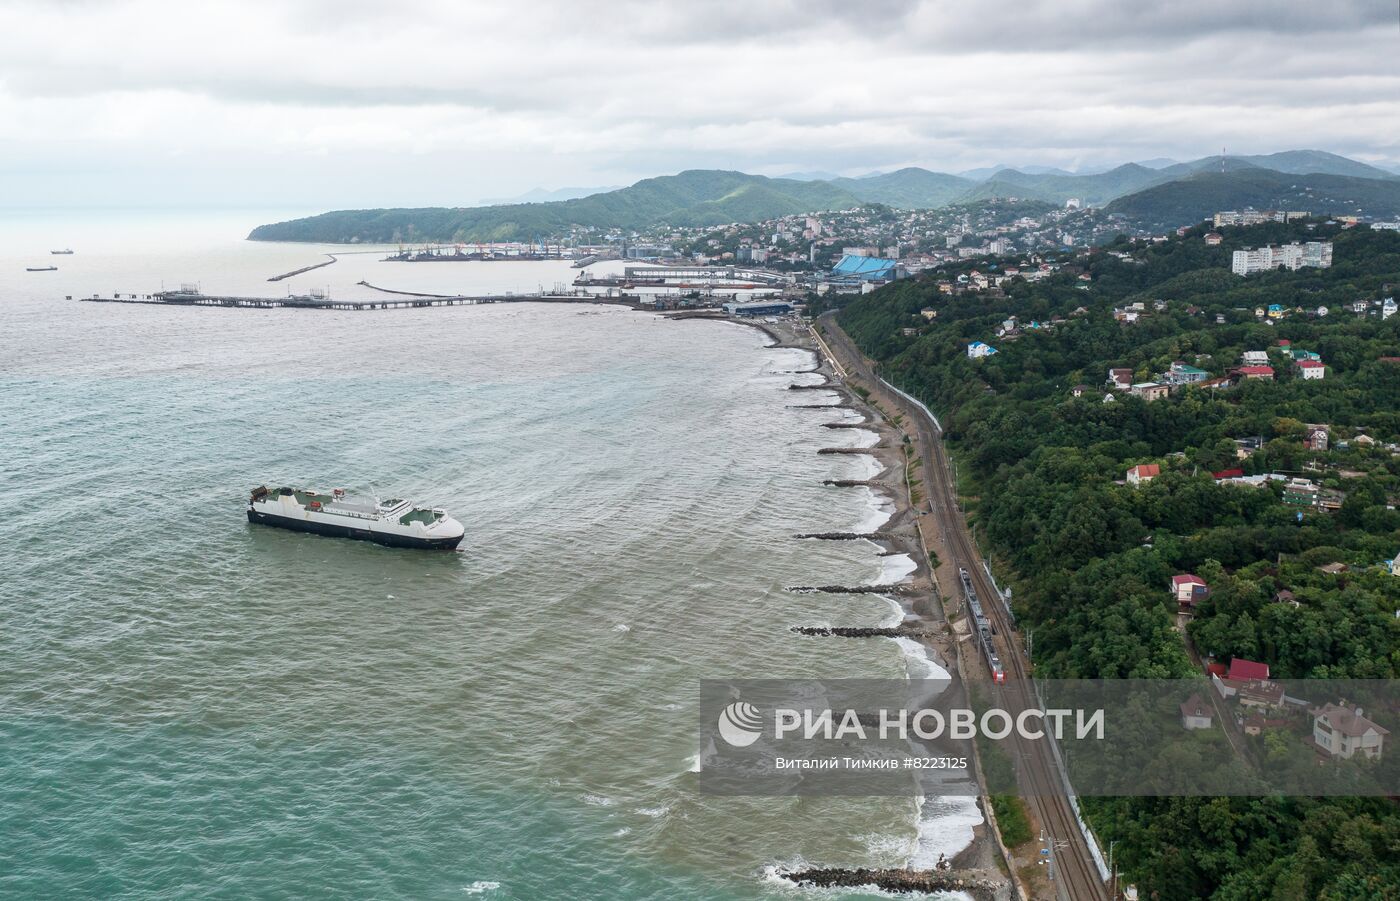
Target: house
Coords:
[(1120, 379), (1080, 390), (1242, 670), (1254, 357), (1223, 381), (1312, 370), (1181, 374), (1260, 693), (1143, 473), (1284, 596), (1188, 589), (1245, 447), (1300, 493), (1341, 731), (977, 349), (1196, 713), (1213, 238), (1395, 565), (1315, 438), (1257, 372), (1388, 308), (1333, 569), (1150, 390), (1227, 474)]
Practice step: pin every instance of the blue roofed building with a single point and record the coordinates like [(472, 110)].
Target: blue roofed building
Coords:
[(866, 269)]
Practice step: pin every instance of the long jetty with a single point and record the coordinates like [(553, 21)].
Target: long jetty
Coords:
[(319, 302), (278, 278)]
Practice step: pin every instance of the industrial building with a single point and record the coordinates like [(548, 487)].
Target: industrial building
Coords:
[(758, 308), (866, 269)]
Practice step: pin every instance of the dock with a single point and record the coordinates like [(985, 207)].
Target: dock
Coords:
[(278, 278), (186, 298)]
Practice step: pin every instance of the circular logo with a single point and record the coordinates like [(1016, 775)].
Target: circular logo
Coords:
[(740, 724)]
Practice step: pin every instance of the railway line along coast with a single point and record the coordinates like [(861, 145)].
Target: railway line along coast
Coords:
[(1075, 867)]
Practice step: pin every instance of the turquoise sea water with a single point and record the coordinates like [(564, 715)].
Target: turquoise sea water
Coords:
[(192, 706)]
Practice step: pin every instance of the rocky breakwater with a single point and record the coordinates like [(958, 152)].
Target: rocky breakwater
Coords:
[(904, 631), (983, 885)]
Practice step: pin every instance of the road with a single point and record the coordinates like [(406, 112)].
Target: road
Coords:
[(1076, 874)]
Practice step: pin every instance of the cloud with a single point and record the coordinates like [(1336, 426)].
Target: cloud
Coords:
[(348, 102)]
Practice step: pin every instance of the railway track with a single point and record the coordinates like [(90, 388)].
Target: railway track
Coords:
[(1075, 871)]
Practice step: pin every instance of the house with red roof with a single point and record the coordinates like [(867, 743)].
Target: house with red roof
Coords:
[(1227, 474), (1143, 473), (1312, 370), (1244, 670), (1257, 372), (1189, 588)]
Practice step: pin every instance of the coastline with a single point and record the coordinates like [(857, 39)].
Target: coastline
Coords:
[(922, 631)]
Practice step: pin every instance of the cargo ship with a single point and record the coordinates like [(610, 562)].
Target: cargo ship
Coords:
[(63, 252), (394, 523), (40, 268)]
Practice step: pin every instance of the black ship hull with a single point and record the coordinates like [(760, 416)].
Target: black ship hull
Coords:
[(335, 531)]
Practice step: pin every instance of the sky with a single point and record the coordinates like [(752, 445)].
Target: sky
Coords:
[(315, 104)]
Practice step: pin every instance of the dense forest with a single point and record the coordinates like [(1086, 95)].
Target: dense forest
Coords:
[(1090, 557)]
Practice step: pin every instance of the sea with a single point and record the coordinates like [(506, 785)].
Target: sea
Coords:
[(193, 706)]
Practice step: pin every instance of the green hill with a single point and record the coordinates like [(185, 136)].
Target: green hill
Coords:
[(1188, 200), (692, 198), (1179, 194), (1091, 189), (1294, 162), (1088, 558), (911, 188)]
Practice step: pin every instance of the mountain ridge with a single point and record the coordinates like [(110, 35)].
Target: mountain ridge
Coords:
[(713, 197)]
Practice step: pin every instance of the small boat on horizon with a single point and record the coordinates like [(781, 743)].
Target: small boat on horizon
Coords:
[(40, 268), (395, 523), (66, 250)]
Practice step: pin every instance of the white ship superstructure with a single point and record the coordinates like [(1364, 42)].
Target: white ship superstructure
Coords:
[(395, 522)]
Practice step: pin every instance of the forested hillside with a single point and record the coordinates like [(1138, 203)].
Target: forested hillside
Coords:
[(695, 197), (1090, 557)]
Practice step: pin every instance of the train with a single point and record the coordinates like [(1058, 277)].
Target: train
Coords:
[(984, 627)]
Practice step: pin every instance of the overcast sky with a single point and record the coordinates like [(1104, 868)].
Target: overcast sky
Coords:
[(347, 103)]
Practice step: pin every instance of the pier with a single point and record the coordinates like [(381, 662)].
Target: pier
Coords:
[(729, 278), (278, 278), (315, 301), (465, 253)]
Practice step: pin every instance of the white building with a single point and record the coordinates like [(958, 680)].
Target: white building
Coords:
[(977, 349), (1315, 254), (1254, 217), (1343, 732), (1196, 713), (1388, 308)]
